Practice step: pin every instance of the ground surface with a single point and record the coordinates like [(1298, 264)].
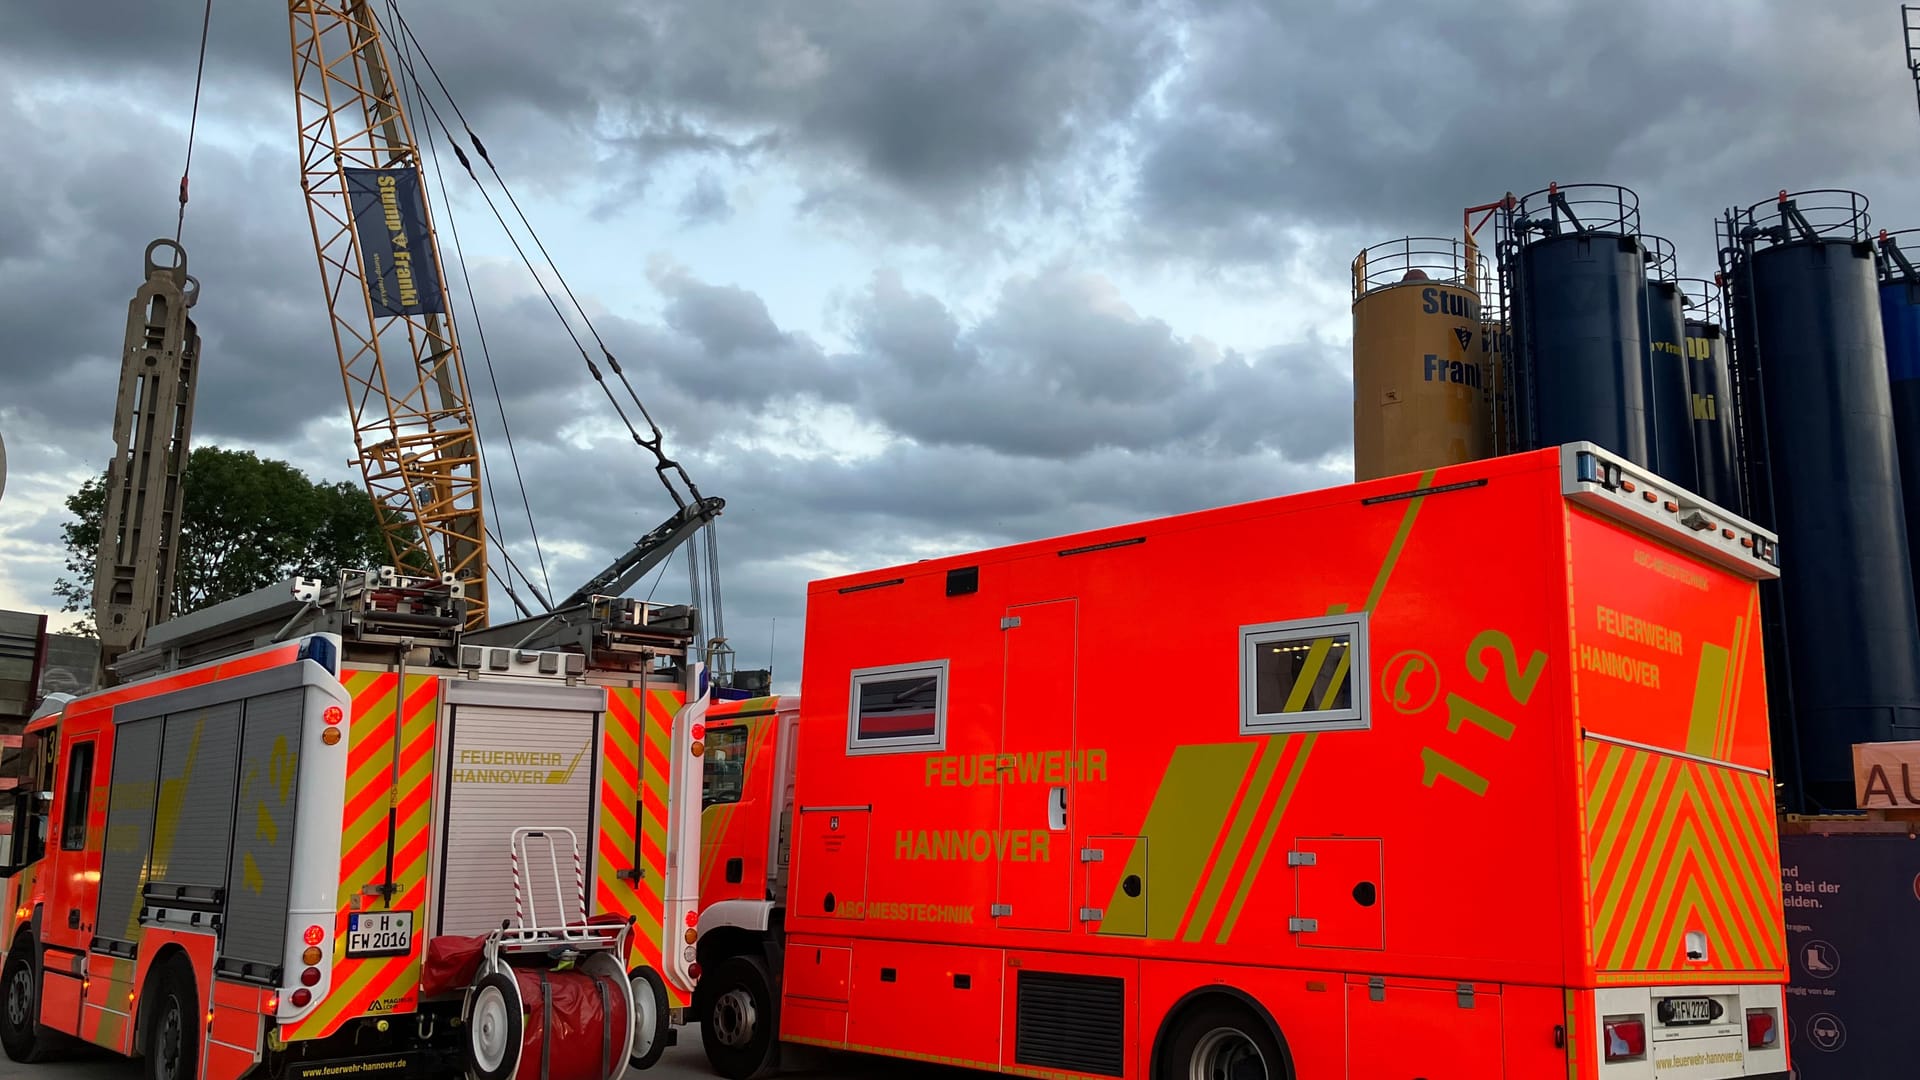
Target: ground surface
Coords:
[(683, 1062)]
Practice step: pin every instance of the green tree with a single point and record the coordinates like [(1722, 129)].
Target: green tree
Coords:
[(247, 523)]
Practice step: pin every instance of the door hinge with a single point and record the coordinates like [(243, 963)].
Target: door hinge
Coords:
[(1377, 988), (1092, 914), (998, 910), (1303, 926), (1091, 854), (1009, 622), (1301, 858), (1464, 994)]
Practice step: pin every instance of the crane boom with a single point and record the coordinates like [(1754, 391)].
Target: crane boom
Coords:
[(413, 426), (152, 426)]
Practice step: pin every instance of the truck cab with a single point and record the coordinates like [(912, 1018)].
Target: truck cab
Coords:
[(746, 818)]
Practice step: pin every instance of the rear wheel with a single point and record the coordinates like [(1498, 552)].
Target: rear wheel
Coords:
[(494, 1028), (171, 1047), (741, 1018), (1219, 1040), (20, 1032), (649, 1017)]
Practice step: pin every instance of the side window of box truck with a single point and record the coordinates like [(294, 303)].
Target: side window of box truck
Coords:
[(898, 707), (1304, 675)]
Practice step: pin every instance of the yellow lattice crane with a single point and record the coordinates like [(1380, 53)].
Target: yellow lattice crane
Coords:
[(413, 426)]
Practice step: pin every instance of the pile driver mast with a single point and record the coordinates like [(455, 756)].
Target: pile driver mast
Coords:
[(140, 516), (413, 425)]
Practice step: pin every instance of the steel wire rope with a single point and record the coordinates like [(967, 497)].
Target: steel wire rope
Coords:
[(592, 368), (418, 94), (193, 121), (656, 445), (400, 88)]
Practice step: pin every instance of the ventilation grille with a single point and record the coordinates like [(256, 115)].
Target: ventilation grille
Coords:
[(1070, 1022)]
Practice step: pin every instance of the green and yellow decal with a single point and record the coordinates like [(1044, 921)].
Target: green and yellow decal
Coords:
[(1203, 888)]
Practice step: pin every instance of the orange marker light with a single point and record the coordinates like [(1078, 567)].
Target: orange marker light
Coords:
[(330, 736)]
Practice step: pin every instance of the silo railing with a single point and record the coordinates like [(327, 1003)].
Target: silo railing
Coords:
[(1558, 209), (1437, 259), (1663, 263), (1801, 216)]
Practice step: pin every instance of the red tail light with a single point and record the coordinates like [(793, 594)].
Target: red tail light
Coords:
[(1626, 1038), (1763, 1029), (300, 997)]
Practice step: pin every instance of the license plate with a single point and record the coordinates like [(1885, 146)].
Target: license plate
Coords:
[(380, 933), (1689, 1010)]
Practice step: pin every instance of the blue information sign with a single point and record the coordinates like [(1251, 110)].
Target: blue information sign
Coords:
[(396, 251), (1853, 933)]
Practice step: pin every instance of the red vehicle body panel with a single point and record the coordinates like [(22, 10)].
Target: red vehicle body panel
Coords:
[(1441, 886)]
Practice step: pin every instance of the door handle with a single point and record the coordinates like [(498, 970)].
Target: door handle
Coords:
[(1057, 808), (73, 918)]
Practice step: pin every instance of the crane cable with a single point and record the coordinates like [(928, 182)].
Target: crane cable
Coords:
[(193, 122), (592, 368), (655, 444), (473, 304)]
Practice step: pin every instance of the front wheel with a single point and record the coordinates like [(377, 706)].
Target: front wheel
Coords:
[(20, 1032), (1222, 1041), (741, 1018)]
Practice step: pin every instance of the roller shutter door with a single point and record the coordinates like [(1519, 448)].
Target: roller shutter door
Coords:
[(508, 768)]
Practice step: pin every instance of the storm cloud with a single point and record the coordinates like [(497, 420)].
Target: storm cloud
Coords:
[(897, 277)]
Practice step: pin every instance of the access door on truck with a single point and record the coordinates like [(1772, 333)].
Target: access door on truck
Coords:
[(518, 755), (1038, 766)]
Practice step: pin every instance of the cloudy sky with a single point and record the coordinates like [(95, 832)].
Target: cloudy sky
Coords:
[(898, 277)]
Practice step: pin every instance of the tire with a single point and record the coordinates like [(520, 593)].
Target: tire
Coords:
[(170, 1043), (649, 1018), (495, 1026), (20, 1032), (741, 1018), (1221, 1040)]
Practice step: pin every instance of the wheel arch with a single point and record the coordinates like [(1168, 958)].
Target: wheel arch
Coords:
[(1199, 997), (163, 958), (30, 926), (723, 943)]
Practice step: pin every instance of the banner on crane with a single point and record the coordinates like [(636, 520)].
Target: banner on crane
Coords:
[(396, 251)]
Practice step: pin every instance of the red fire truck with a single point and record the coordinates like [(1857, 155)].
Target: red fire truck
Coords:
[(318, 830), (1456, 775)]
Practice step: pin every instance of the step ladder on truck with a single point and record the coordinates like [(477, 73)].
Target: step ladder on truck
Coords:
[(289, 839)]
